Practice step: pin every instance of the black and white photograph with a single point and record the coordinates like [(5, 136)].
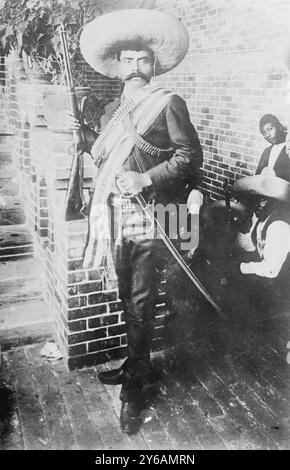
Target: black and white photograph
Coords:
[(145, 228)]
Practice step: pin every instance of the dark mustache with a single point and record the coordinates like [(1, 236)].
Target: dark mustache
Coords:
[(136, 74)]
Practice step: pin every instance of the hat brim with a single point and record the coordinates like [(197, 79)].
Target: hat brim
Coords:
[(161, 32), (270, 187)]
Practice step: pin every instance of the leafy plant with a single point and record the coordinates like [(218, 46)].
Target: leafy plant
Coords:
[(31, 26)]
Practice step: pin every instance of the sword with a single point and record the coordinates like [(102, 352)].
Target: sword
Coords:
[(147, 210)]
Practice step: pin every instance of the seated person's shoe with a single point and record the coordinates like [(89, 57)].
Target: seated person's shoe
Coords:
[(130, 417), (114, 376)]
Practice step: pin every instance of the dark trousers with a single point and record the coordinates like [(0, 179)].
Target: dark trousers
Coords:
[(136, 264)]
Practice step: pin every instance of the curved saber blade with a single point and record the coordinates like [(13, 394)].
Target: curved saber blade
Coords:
[(145, 207)]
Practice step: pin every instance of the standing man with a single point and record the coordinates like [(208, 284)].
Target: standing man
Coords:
[(147, 146)]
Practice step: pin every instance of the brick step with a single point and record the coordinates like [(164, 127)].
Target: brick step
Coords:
[(25, 318), (6, 147), (15, 242), (5, 130), (7, 166), (20, 289), (11, 210), (29, 333), (7, 169), (28, 268), (24, 313), (9, 187), (6, 139), (10, 202), (12, 216), (5, 155)]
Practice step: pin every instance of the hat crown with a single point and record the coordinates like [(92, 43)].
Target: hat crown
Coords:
[(266, 186), (161, 32)]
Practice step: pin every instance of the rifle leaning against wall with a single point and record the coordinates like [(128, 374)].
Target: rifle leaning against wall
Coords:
[(74, 202)]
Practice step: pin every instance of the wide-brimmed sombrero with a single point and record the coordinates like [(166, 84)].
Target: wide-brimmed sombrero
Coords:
[(161, 32), (266, 186)]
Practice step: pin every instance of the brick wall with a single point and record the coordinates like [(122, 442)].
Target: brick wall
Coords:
[(106, 89), (233, 74), (3, 102)]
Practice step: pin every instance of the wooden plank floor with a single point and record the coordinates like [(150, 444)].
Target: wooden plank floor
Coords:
[(210, 396), (224, 384)]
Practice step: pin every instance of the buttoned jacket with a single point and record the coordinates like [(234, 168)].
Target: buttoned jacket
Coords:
[(173, 174)]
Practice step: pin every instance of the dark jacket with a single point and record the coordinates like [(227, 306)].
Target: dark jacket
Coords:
[(282, 164), (172, 174)]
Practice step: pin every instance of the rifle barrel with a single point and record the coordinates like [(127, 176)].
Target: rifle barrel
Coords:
[(74, 202), (66, 60)]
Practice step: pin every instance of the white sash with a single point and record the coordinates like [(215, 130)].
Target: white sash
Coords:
[(149, 103)]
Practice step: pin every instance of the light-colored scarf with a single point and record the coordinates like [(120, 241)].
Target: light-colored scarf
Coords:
[(149, 102)]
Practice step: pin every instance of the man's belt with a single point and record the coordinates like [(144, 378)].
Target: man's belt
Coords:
[(126, 204), (141, 143)]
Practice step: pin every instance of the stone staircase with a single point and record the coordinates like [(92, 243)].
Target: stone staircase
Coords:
[(24, 316)]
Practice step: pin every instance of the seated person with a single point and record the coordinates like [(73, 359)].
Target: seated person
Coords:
[(274, 160), (269, 197), (220, 224)]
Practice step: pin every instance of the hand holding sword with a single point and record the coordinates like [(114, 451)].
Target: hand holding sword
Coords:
[(132, 182)]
